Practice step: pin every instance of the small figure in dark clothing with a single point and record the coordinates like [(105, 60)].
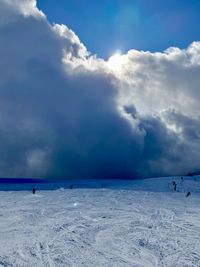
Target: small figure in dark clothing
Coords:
[(188, 194), (174, 185), (71, 186), (33, 190)]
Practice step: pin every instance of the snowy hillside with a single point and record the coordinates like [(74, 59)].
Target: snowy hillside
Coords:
[(140, 223)]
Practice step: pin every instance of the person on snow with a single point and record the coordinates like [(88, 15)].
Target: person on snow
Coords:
[(188, 194), (33, 190), (174, 185)]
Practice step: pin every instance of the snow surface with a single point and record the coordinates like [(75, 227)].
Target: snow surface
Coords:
[(138, 223)]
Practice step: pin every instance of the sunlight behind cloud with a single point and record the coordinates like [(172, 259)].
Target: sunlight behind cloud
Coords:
[(116, 62)]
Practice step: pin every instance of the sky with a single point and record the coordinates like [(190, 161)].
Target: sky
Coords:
[(140, 24), (71, 110)]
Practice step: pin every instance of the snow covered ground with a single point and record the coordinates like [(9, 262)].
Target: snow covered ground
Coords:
[(135, 223)]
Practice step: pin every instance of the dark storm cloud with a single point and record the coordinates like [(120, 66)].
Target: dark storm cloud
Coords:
[(67, 114)]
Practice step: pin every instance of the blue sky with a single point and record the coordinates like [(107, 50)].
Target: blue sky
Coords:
[(110, 25)]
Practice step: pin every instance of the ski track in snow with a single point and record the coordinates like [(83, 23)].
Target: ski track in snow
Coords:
[(133, 227)]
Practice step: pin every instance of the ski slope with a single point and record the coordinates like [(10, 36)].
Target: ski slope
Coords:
[(140, 223)]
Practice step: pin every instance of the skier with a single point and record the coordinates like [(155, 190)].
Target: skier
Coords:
[(188, 194), (71, 186), (174, 185), (33, 190)]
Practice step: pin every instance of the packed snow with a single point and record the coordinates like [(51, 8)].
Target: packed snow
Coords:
[(141, 223)]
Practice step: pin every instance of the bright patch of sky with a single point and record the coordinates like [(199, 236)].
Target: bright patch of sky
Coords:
[(111, 25)]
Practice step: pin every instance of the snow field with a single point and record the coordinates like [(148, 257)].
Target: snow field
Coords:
[(138, 224)]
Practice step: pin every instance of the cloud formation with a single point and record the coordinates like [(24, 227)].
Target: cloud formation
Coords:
[(65, 113)]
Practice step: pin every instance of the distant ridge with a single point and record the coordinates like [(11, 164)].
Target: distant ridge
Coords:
[(22, 180)]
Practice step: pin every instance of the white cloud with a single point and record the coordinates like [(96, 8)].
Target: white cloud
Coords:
[(23, 7), (156, 82)]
